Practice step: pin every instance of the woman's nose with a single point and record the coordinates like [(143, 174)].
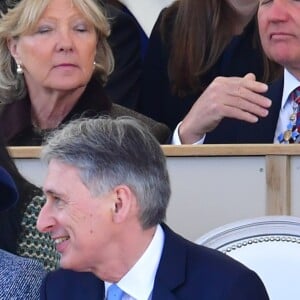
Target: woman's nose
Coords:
[(65, 41)]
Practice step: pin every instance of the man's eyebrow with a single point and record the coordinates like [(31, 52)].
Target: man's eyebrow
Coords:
[(51, 192)]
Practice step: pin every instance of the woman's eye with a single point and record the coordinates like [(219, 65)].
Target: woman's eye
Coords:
[(44, 29), (81, 28)]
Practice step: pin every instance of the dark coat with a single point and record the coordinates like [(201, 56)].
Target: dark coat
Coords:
[(240, 57), (15, 119), (124, 84), (231, 131), (186, 271)]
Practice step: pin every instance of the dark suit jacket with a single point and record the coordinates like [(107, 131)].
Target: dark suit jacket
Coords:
[(157, 101), (186, 271), (231, 131)]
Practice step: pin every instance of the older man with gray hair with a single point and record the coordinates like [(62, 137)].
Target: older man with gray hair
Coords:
[(107, 192)]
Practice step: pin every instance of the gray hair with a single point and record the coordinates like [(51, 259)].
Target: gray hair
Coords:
[(21, 18), (109, 152)]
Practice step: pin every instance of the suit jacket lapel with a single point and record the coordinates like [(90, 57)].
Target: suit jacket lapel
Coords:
[(171, 269)]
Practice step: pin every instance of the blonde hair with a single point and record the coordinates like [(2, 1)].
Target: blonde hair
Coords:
[(23, 18)]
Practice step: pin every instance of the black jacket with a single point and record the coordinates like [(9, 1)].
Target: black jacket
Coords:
[(157, 101), (123, 86), (15, 119)]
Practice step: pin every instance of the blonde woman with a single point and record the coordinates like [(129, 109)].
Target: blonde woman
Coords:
[(54, 61)]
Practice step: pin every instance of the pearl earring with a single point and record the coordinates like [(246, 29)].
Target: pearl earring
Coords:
[(19, 69)]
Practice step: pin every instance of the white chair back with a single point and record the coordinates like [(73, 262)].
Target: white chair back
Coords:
[(268, 245)]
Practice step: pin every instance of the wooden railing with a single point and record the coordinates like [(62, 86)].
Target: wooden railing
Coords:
[(275, 175)]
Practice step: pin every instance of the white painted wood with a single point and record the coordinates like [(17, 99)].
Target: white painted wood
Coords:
[(206, 191)]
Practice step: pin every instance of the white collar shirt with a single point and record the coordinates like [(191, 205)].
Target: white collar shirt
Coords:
[(138, 282)]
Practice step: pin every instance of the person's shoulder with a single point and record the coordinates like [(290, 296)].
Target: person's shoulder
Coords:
[(120, 20), (167, 16), (9, 124), (203, 259), (18, 264), (20, 277), (198, 252), (67, 284), (159, 130), (164, 26), (207, 269)]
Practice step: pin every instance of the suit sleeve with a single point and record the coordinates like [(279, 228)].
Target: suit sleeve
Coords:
[(248, 287), (43, 289)]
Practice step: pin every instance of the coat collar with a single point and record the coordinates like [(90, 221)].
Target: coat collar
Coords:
[(172, 268), (18, 131)]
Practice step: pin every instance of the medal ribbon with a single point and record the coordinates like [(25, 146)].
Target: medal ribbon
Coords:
[(292, 133)]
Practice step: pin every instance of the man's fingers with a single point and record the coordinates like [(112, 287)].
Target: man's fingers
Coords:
[(235, 113), (250, 96)]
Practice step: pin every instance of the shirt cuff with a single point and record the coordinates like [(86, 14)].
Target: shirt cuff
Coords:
[(176, 139)]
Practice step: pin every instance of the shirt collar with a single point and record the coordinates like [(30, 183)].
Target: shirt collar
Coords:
[(290, 83), (139, 280)]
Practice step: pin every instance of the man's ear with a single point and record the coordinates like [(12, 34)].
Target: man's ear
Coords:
[(124, 203), (12, 45)]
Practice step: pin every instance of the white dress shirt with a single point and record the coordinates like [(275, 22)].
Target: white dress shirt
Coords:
[(290, 84), (138, 283)]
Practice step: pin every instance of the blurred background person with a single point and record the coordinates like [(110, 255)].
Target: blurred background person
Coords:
[(146, 12), (20, 278), (143, 38), (279, 29), (127, 43), (18, 233), (55, 59), (198, 54)]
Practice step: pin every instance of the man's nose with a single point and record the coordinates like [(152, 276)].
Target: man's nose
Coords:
[(45, 221)]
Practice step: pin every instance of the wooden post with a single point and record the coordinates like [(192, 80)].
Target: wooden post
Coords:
[(278, 197)]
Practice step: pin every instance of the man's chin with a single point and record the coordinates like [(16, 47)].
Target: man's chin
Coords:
[(284, 57), (65, 263)]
